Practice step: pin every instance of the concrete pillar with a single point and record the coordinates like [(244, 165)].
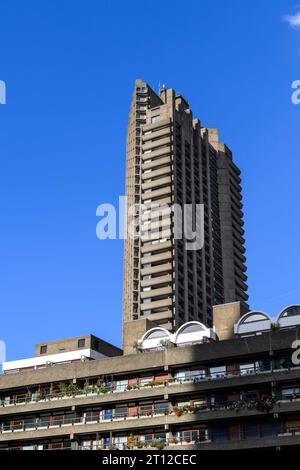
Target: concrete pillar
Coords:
[(133, 331), (224, 317)]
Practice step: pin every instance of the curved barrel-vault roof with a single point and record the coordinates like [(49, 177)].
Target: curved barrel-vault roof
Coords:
[(252, 322)]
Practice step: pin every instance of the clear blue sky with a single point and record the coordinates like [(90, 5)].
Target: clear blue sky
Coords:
[(69, 67)]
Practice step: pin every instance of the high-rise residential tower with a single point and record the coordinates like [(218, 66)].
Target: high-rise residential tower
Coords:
[(171, 158)]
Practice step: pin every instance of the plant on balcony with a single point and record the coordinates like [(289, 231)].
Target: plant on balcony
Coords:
[(178, 411), (264, 405), (147, 384), (67, 389), (113, 447), (132, 387), (132, 441), (157, 383), (136, 346), (63, 387), (103, 390), (140, 445), (173, 440), (172, 379), (72, 390), (159, 444), (87, 388), (166, 343), (154, 383), (275, 327)]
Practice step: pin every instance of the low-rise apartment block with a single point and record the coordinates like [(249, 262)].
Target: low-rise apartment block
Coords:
[(183, 390)]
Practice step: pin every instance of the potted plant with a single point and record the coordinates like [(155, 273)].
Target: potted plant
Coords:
[(63, 388), (159, 444), (173, 440), (179, 412), (136, 346), (132, 441), (275, 327)]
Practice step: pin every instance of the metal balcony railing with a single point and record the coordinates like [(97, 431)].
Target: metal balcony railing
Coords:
[(115, 387), (260, 404)]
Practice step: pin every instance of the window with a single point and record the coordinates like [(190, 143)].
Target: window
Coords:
[(217, 372), (155, 119), (255, 317), (81, 343), (191, 328), (43, 349), (121, 385), (158, 334), (251, 431), (247, 368), (291, 311), (289, 392)]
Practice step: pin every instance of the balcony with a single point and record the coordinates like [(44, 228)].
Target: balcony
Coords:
[(158, 257), (160, 132), (156, 281), (165, 170), (156, 247), (156, 163), (114, 392), (162, 224), (158, 182), (161, 268), (160, 152), (135, 444), (165, 191), (156, 292), (156, 304)]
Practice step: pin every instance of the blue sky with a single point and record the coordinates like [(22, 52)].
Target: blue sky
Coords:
[(69, 68)]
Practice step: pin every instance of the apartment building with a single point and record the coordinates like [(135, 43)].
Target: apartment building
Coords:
[(183, 390), (171, 159)]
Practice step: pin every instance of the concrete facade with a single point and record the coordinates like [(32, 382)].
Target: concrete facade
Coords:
[(225, 317), (77, 343), (172, 159), (240, 393)]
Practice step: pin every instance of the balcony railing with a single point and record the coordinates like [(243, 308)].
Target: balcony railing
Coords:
[(204, 438), (112, 415), (144, 444), (209, 438), (62, 422), (114, 387)]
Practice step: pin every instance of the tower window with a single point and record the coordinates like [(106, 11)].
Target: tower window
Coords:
[(43, 349), (155, 119), (81, 343)]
